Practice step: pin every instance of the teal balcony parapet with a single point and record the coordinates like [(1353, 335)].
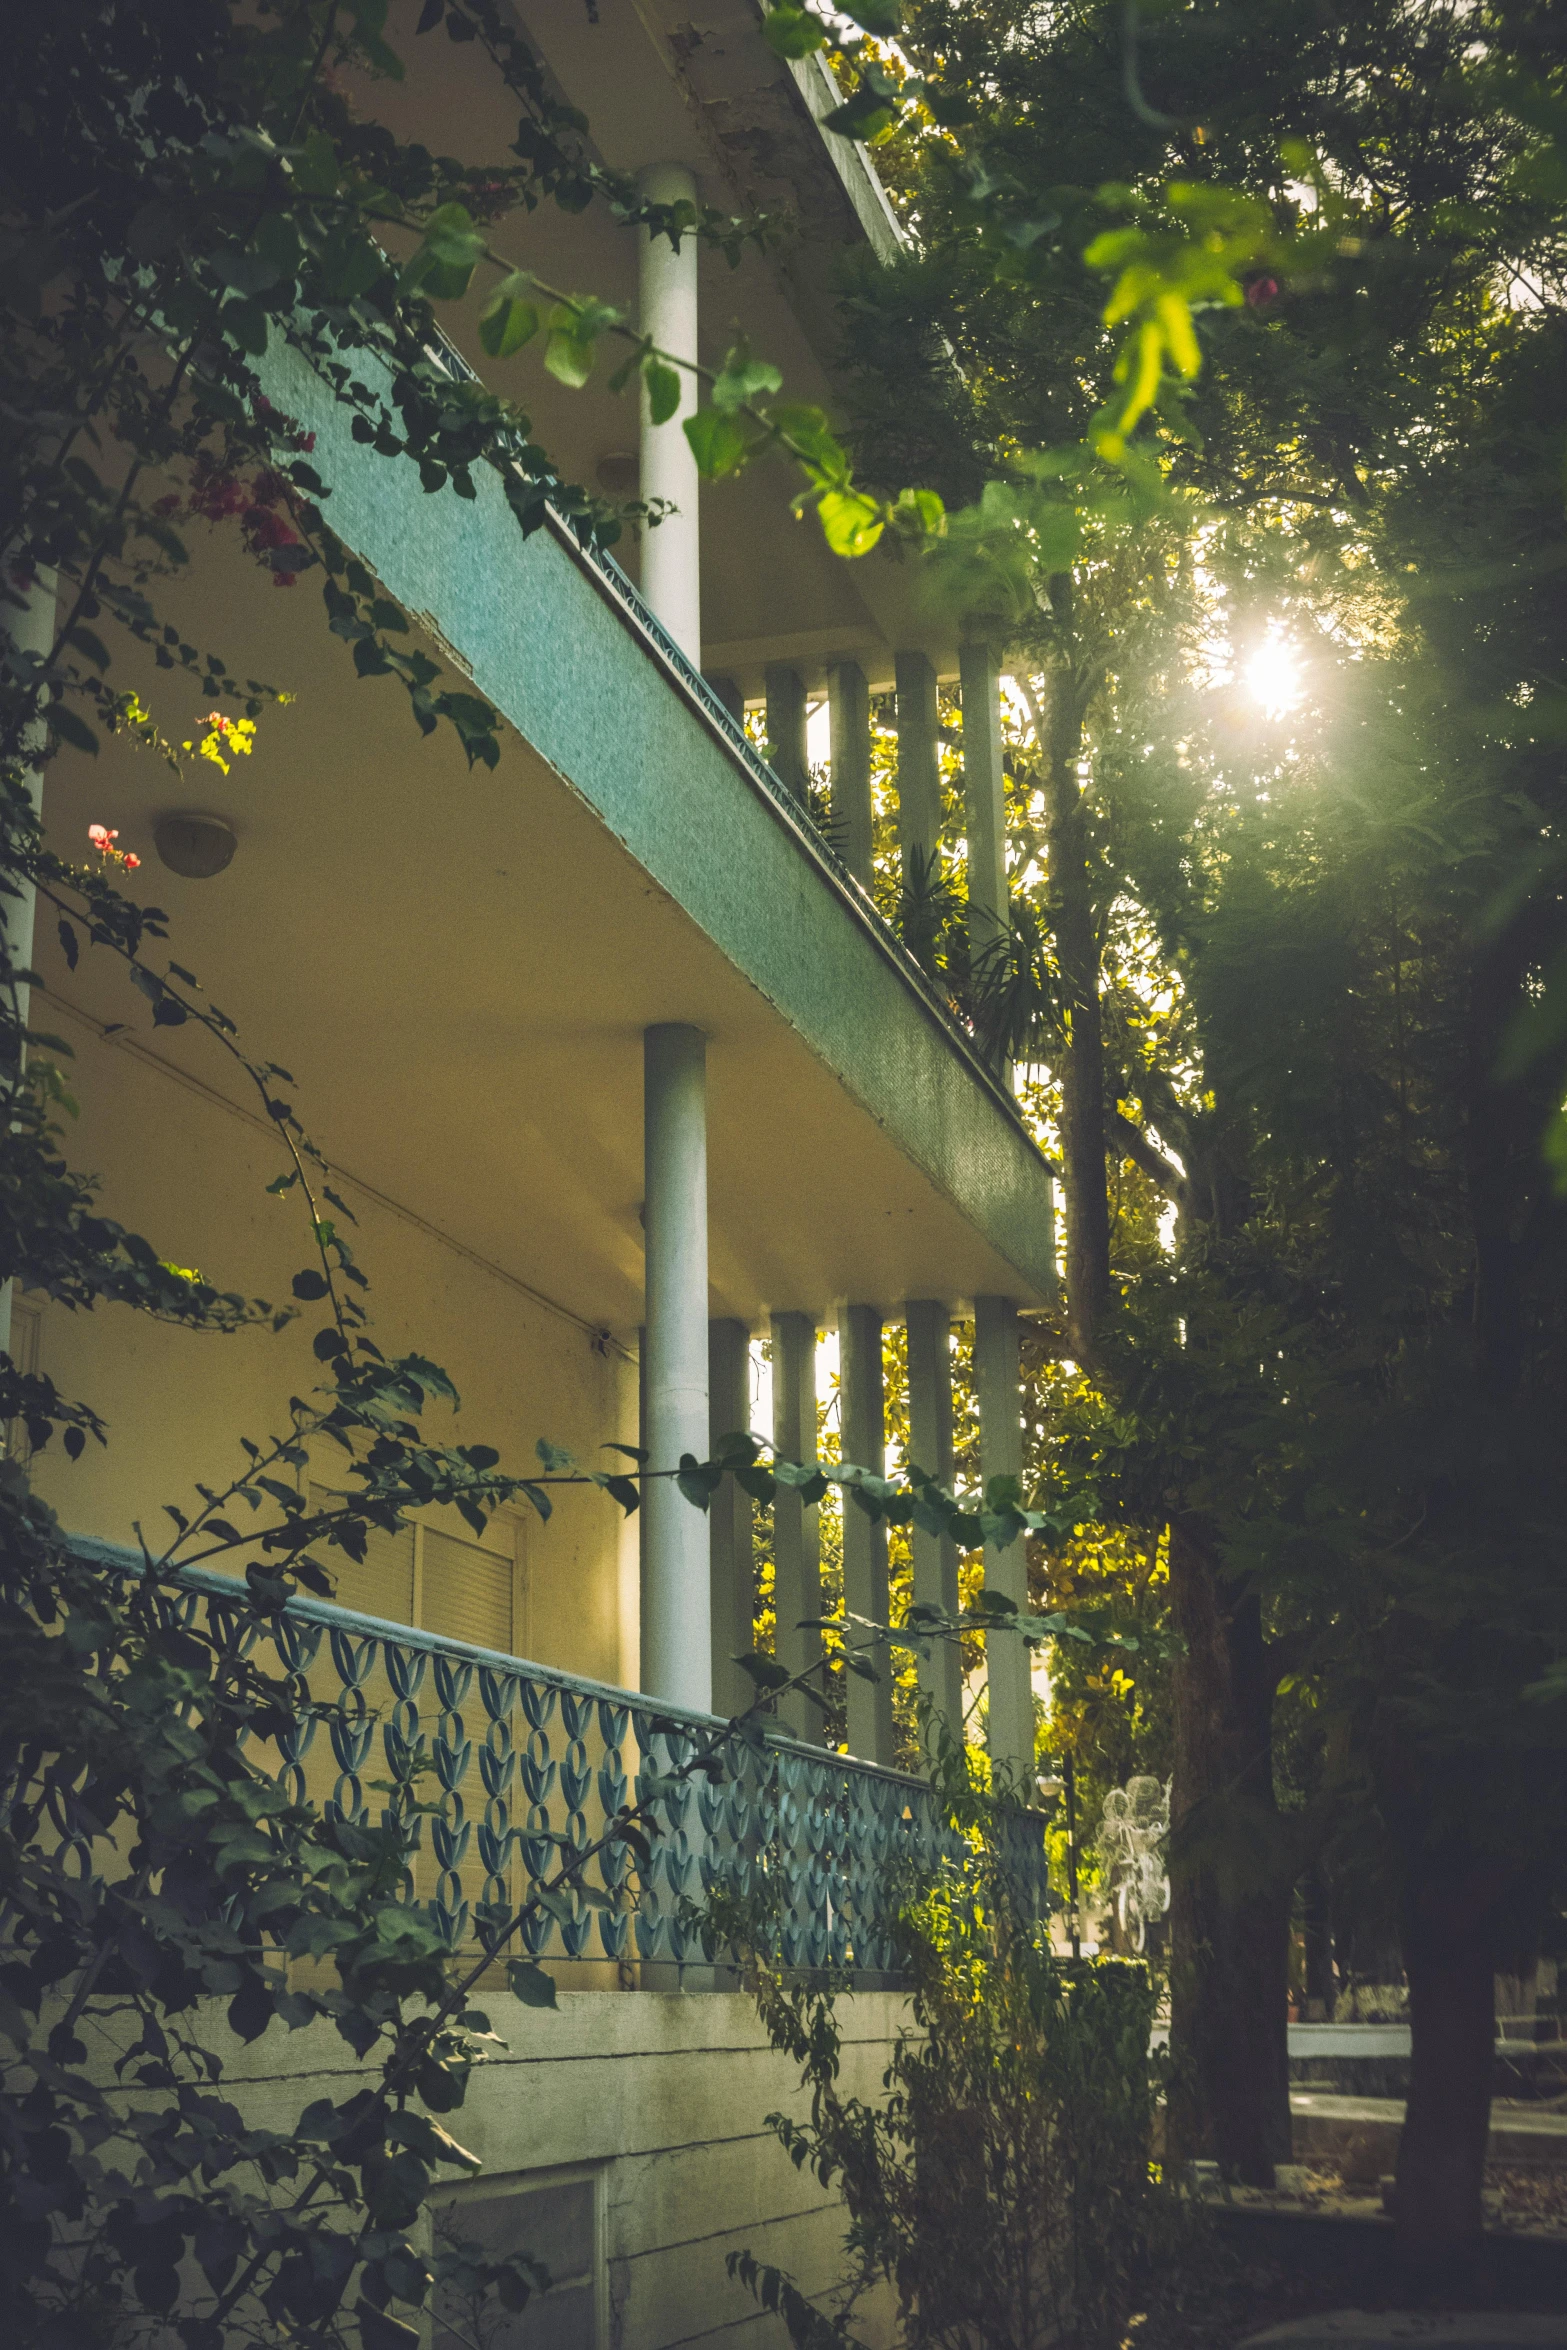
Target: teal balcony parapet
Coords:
[(526, 1764), (557, 640), (621, 592)]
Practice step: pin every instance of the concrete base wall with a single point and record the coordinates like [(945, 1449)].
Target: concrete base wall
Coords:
[(664, 2098)]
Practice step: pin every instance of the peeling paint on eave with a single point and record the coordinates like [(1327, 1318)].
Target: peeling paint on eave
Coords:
[(818, 86)]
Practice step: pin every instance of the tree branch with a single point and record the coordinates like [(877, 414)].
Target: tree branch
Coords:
[(1159, 1170)]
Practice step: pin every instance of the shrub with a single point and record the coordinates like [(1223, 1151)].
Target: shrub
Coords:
[(1003, 2187)]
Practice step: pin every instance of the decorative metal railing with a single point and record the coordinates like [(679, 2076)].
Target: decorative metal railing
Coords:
[(524, 1764)]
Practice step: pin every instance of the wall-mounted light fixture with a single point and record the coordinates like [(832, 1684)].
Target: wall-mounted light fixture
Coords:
[(193, 844)]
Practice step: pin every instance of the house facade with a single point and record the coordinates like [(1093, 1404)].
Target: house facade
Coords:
[(622, 1075)]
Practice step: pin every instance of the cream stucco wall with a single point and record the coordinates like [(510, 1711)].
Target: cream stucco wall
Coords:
[(188, 1170)]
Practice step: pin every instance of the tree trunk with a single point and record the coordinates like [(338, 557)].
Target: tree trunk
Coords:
[(1229, 1909), (1317, 1931), (1450, 1961), (1071, 900)]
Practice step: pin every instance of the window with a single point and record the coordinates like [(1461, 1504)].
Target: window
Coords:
[(469, 1592), (447, 1583), (380, 1584), (555, 2216)]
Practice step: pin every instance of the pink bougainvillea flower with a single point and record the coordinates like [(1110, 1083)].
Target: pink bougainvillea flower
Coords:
[(103, 838)]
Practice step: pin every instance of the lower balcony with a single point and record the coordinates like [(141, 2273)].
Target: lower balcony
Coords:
[(520, 1765)]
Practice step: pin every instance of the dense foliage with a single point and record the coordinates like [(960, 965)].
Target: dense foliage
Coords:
[(1298, 985), (1001, 2186)]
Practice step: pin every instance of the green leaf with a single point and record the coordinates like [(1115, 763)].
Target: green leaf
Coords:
[(743, 379), (569, 357), (719, 442), (865, 117), (663, 389), (369, 22), (882, 17), (247, 322), (314, 166), (852, 521), (444, 262), (698, 1480), (765, 1671), (508, 319), (530, 1983), (791, 32), (996, 1603)]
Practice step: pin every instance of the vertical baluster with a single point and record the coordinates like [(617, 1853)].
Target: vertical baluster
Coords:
[(615, 1860), (497, 1770), (576, 1783), (539, 1772)]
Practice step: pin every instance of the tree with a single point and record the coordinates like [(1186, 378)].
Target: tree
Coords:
[(1366, 1246)]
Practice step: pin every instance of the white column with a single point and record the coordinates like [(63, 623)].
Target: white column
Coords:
[(919, 767), (849, 716), (984, 793), (929, 1325), (671, 554), (985, 805), (731, 1528), (862, 1420), (797, 1557), (676, 1597), (27, 629), (1009, 1678), (786, 727)]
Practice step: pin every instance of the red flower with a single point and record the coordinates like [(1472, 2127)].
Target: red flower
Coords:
[(1260, 291)]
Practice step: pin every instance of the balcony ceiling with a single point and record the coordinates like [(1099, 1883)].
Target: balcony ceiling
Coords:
[(457, 970), (657, 88)]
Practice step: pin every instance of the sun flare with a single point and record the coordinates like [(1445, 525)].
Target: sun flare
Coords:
[(1272, 675)]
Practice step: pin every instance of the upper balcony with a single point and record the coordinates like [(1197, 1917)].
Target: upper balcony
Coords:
[(634, 860), (460, 969)]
